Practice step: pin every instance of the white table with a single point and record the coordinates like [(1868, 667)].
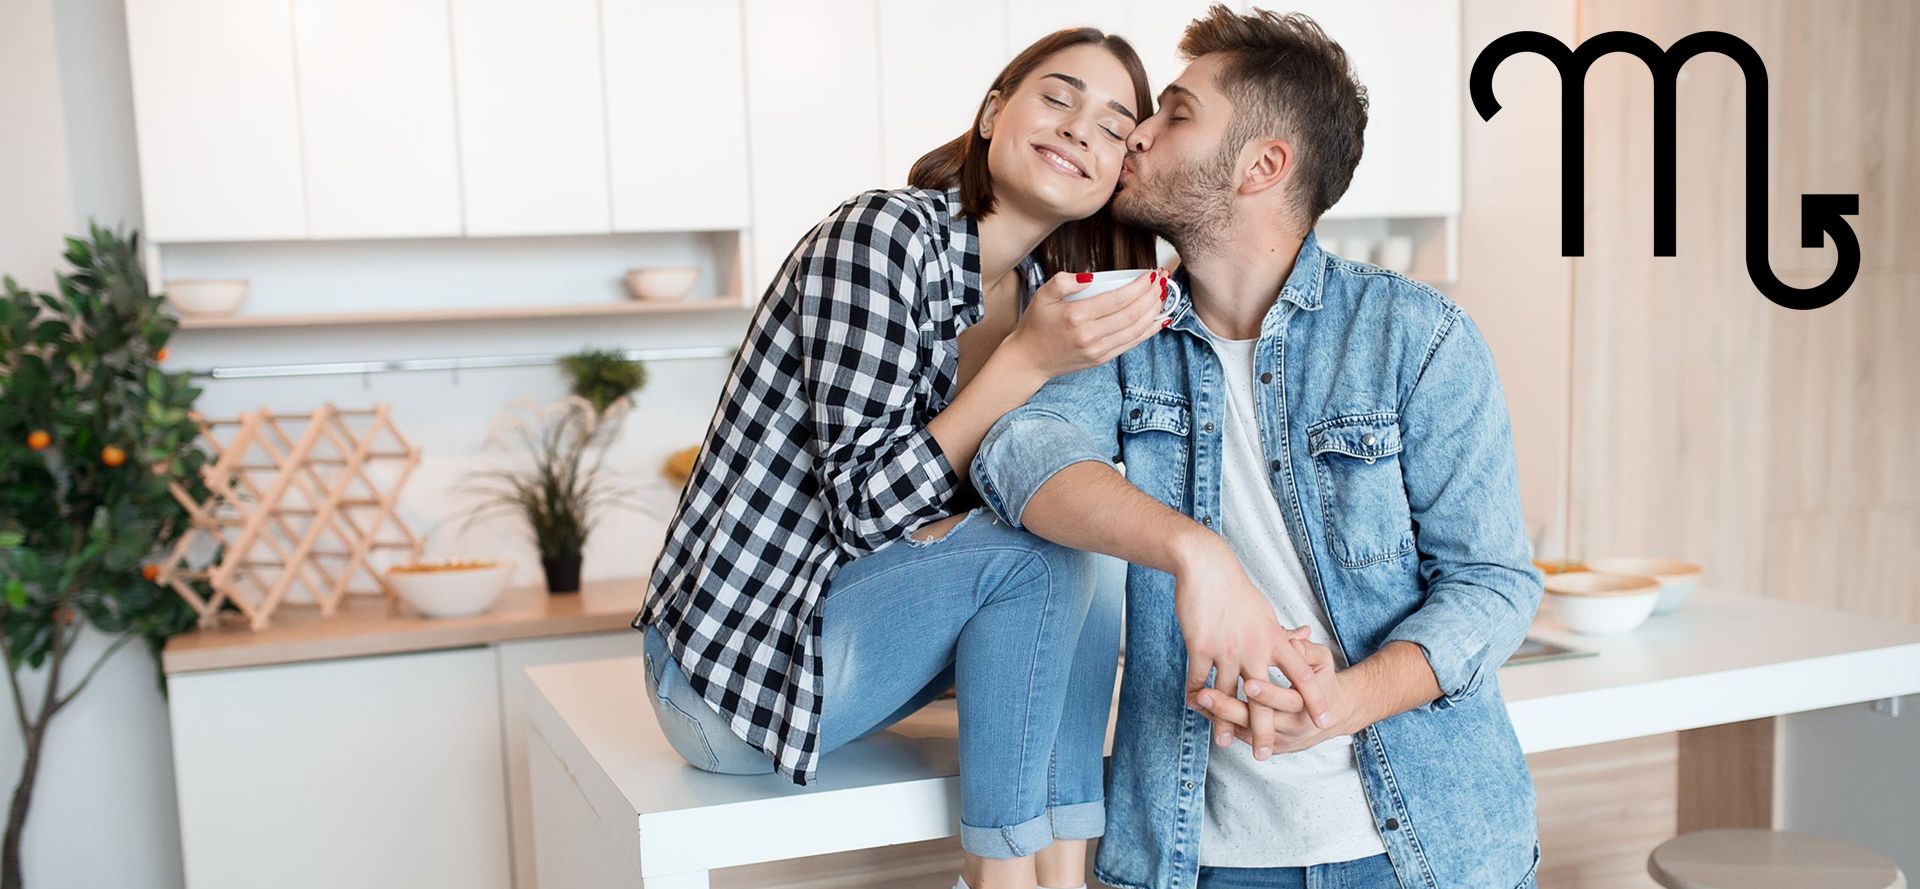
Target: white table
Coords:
[(615, 806)]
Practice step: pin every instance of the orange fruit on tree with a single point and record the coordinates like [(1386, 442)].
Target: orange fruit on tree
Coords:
[(113, 456), (160, 355), (150, 571), (38, 439)]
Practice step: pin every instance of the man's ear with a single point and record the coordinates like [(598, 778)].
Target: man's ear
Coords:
[(989, 112), (1270, 165)]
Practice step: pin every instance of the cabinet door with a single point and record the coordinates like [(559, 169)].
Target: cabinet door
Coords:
[(676, 114), (813, 111), (217, 120), (516, 693), (928, 98), (533, 136), (1408, 56), (376, 118), (364, 772)]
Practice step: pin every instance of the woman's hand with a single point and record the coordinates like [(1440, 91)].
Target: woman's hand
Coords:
[(1058, 337)]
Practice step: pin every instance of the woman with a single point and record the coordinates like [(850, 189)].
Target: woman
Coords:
[(830, 570)]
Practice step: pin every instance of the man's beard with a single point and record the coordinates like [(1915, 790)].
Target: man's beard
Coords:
[(1190, 205)]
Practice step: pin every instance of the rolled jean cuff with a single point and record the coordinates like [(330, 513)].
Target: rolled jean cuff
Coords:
[(1079, 821), (1014, 841)]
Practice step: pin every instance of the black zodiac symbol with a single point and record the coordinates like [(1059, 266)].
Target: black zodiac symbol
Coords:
[(1821, 215)]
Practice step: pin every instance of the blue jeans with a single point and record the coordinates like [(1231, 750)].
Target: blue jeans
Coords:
[(1362, 873), (1025, 631)]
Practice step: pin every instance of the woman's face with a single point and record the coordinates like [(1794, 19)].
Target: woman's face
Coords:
[(1057, 140)]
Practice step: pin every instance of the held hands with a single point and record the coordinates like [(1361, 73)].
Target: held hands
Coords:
[(1230, 631), (1291, 730), (1059, 337)]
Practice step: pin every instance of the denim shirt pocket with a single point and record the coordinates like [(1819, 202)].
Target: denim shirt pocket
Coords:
[(1155, 425), (1363, 500)]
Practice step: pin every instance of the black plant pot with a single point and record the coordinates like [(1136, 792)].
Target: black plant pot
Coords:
[(563, 573)]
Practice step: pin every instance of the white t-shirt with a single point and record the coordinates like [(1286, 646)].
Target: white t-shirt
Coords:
[(1295, 809)]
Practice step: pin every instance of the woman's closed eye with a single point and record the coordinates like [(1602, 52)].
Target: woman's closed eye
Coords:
[(1062, 103)]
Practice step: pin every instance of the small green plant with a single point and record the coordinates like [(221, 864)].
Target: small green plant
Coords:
[(562, 489), (604, 376), (92, 433)]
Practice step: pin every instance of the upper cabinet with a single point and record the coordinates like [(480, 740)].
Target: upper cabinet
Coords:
[(376, 118), (533, 127), (815, 111), (1409, 57), (928, 98), (215, 110), (676, 114)]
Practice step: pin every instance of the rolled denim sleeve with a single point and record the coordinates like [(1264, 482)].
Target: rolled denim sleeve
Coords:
[(1463, 490), (1074, 418)]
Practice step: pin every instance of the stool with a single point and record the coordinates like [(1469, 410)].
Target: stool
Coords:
[(1768, 859)]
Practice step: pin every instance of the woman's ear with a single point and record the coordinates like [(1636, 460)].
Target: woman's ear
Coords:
[(989, 111)]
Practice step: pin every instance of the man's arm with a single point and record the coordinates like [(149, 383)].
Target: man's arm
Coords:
[(1463, 490), (1044, 467)]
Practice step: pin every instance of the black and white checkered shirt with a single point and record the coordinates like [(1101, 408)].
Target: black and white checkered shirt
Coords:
[(818, 453)]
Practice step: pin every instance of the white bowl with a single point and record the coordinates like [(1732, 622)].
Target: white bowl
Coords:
[(1677, 579), (662, 283), (207, 298), (451, 592), (1601, 604)]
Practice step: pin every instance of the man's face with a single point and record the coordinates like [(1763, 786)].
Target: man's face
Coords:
[(1179, 179)]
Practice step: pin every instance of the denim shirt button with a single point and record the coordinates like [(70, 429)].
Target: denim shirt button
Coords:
[(1266, 378), (1135, 414), (1367, 439), (1275, 466), (1207, 428), (1393, 824), (1207, 521), (1187, 784)]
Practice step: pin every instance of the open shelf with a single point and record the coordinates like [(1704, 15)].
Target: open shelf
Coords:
[(501, 313)]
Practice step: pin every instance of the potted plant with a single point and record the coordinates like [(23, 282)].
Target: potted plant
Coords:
[(91, 434), (561, 488), (603, 376)]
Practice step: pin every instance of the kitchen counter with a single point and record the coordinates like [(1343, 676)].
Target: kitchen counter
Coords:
[(374, 625), (1718, 671)]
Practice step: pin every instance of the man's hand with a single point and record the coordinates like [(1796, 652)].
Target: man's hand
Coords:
[(1290, 730), (1230, 630)]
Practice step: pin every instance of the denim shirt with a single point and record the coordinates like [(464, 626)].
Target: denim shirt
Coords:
[(1391, 457)]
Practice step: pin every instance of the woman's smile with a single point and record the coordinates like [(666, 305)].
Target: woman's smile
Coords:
[(1060, 162)]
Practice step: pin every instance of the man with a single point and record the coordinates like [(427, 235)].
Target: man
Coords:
[(1312, 442)]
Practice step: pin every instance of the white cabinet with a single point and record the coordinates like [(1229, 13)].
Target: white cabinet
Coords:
[(533, 136), (928, 98), (376, 118), (814, 107), (365, 772), (1409, 57), (676, 114), (215, 111), (516, 695)]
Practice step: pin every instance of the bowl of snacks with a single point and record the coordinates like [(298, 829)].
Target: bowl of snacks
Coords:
[(1677, 579), (452, 588), (1596, 604)]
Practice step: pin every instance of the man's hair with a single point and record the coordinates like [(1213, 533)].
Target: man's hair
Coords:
[(1288, 80)]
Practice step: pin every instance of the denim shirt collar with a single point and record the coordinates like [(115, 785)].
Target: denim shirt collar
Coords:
[(1302, 288)]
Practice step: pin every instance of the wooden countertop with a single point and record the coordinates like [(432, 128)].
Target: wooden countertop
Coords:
[(371, 625)]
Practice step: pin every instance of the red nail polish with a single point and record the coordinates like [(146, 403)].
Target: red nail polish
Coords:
[(1163, 290), (1084, 277), (1163, 324)]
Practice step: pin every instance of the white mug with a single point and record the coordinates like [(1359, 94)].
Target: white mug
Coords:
[(1109, 281)]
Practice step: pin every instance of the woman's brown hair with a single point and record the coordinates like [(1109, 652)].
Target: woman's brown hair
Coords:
[(1095, 243)]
